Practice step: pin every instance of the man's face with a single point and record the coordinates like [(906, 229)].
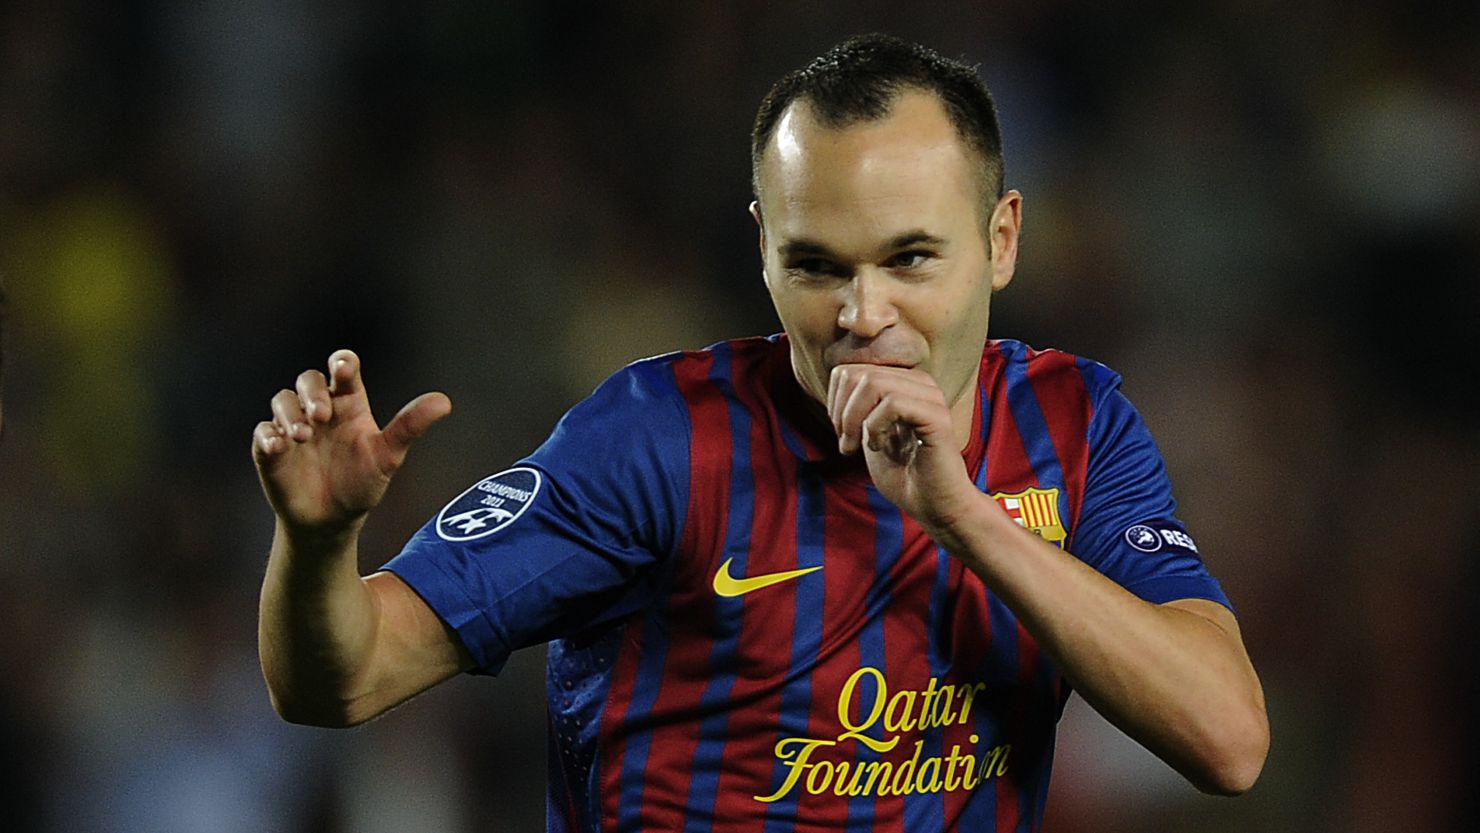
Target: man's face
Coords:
[(875, 247)]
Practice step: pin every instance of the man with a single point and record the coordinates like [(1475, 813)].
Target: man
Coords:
[(818, 580)]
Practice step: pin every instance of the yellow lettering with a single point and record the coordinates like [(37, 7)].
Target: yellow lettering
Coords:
[(823, 768), (904, 777), (953, 783), (845, 701), (927, 705), (941, 715), (932, 784), (842, 786), (878, 773), (994, 757), (903, 702), (795, 761), (973, 777), (969, 694), (894, 715)]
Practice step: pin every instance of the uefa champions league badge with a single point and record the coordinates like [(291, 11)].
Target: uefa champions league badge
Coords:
[(1150, 539), (490, 505), (1143, 538)]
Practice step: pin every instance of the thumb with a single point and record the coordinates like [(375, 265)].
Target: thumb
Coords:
[(414, 419)]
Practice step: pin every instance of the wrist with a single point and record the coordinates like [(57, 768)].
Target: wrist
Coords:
[(953, 522), (320, 539), (976, 530)]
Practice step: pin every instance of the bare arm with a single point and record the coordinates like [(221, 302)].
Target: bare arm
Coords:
[(338, 649), (1176, 677)]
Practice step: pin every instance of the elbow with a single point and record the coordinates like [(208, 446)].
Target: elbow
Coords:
[(1235, 760), (327, 715), (1233, 778), (305, 703)]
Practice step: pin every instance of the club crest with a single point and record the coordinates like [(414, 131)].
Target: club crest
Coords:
[(1037, 510)]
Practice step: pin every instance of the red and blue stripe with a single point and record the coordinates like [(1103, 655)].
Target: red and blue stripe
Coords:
[(703, 687)]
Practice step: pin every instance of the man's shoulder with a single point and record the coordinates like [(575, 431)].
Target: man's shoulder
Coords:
[(674, 394), (747, 348), (731, 359), (1021, 363)]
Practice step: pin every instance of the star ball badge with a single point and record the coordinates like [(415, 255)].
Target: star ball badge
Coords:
[(489, 505)]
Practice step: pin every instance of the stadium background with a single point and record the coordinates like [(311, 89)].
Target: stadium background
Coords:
[(1264, 214)]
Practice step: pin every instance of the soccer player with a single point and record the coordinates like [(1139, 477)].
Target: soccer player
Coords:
[(841, 577)]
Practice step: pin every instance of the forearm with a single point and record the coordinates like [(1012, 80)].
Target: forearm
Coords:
[(316, 627), (1177, 681)]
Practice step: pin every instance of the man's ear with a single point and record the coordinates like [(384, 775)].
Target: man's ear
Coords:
[(755, 211), (1003, 231), (760, 224)]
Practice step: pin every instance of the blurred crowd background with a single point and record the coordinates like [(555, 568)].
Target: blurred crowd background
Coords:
[(1265, 215)]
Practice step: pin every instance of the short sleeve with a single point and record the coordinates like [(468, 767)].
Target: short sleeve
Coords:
[(1128, 528), (566, 541)]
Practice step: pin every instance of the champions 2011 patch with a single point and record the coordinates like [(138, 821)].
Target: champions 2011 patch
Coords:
[(490, 505)]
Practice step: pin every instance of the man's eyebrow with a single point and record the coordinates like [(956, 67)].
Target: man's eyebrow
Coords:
[(914, 237), (795, 248)]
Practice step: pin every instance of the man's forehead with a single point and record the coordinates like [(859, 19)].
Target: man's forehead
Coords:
[(786, 142), (802, 123), (856, 188), (916, 133)]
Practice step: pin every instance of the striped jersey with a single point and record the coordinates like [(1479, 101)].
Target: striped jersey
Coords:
[(746, 636)]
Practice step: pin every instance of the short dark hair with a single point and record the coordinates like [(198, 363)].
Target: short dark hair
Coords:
[(859, 80)]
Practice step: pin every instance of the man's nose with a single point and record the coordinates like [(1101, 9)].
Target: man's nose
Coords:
[(868, 305)]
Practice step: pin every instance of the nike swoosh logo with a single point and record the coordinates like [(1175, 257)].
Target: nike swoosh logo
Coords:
[(728, 586)]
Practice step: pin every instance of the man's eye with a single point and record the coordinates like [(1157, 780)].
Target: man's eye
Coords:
[(910, 260), (813, 267)]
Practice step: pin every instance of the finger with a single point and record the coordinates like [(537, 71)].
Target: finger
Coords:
[(888, 431), (344, 373), (901, 424), (848, 394), (839, 385), (868, 390), (268, 442), (287, 413), (413, 420), (847, 380), (313, 396)]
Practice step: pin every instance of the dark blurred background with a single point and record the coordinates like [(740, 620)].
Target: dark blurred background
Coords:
[(1266, 215)]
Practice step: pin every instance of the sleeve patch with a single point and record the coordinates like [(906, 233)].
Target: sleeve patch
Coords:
[(1152, 539), (489, 505)]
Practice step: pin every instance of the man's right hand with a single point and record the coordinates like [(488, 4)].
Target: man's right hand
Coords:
[(323, 461), (338, 649)]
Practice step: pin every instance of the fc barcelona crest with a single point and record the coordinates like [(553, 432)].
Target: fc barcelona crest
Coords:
[(1038, 510)]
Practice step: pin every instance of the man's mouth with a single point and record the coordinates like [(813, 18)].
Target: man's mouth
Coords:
[(878, 361), (883, 352)]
